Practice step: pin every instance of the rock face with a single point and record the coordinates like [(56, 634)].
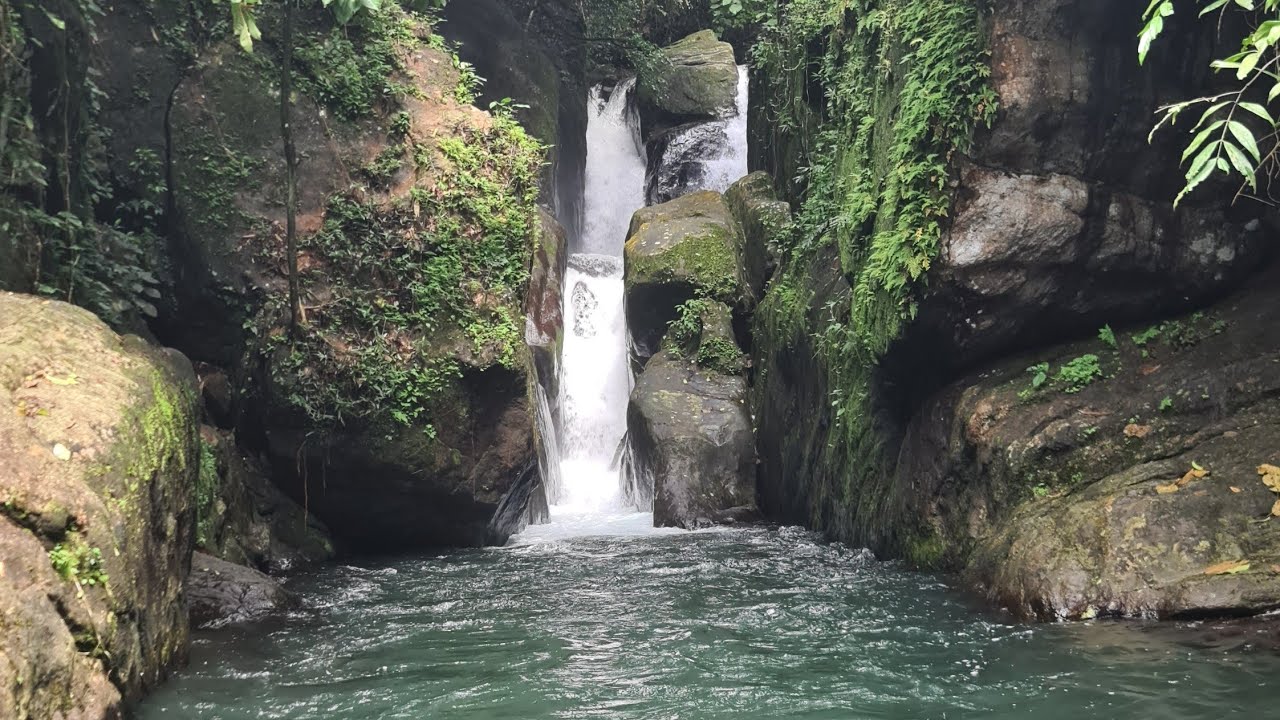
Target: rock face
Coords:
[(763, 219), (695, 79), (222, 593), (692, 432), (532, 52), (678, 250), (243, 518), (1138, 494), (398, 414), (1063, 222), (100, 451), (1058, 220)]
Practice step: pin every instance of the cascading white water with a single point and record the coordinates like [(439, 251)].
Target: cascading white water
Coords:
[(595, 380), (595, 374), (730, 164)]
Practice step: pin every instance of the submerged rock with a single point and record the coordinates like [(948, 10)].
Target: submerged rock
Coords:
[(100, 454), (679, 250), (691, 435), (222, 593), (694, 78)]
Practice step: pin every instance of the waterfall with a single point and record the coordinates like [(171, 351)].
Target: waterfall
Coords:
[(595, 379)]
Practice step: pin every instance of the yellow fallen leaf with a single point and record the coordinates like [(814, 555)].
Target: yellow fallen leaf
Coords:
[(1275, 509), (68, 380), (1167, 489), (1265, 469), (1275, 569), (1235, 489), (1230, 567)]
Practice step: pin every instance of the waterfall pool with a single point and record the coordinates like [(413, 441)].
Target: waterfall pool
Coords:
[(752, 623)]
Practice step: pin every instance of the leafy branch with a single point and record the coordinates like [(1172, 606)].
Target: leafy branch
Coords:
[(1221, 139)]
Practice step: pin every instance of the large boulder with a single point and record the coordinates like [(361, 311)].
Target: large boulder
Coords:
[(397, 410), (99, 443), (695, 78), (1113, 478), (689, 247), (222, 593), (691, 434)]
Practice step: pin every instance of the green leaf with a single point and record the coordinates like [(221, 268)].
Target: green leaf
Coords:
[(1200, 139), (1241, 164), (1258, 110), (1245, 137), (1247, 65), (57, 21), (1212, 6)]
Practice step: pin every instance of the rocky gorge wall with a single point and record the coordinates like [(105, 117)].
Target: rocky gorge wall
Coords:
[(986, 189)]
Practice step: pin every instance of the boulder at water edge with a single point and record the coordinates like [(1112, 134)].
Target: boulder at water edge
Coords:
[(686, 248), (221, 593), (694, 79), (99, 441), (689, 424)]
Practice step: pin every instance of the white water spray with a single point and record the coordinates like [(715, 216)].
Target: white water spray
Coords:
[(595, 380), (595, 374)]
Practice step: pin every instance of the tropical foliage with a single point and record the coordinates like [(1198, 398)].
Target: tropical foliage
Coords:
[(1235, 133)]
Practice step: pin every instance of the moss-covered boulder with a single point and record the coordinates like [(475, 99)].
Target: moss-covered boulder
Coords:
[(765, 221), (99, 450), (397, 409), (689, 247), (1126, 475), (691, 435), (695, 78)]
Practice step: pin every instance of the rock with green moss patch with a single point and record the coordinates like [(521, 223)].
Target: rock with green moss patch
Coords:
[(765, 221), (1136, 494), (98, 443), (689, 247), (695, 78), (703, 332), (692, 438)]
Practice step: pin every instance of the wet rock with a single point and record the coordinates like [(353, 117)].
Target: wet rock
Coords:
[(1135, 494), (100, 453), (764, 220), (695, 78), (691, 434), (243, 518), (678, 250), (222, 593)]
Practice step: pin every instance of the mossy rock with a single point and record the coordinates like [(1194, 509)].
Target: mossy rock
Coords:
[(765, 221), (692, 437), (693, 78), (689, 247), (703, 333), (98, 442)]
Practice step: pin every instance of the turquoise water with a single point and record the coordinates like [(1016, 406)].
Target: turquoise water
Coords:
[(762, 623)]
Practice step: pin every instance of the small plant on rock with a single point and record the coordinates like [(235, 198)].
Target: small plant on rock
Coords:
[(1077, 374)]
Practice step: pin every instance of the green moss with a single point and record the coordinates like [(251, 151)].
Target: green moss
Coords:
[(904, 84), (208, 483), (418, 286), (705, 260), (925, 551)]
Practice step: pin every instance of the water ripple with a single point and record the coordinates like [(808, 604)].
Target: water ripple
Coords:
[(690, 626)]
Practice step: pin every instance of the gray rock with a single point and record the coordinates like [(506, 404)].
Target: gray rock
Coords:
[(221, 593), (695, 78), (765, 220), (691, 434), (689, 247)]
